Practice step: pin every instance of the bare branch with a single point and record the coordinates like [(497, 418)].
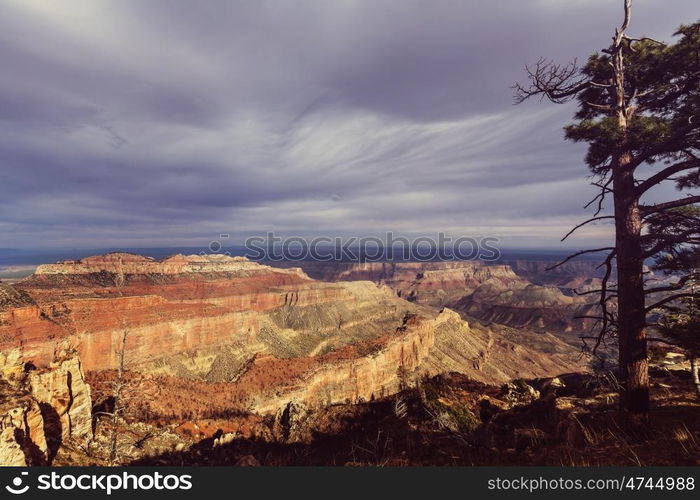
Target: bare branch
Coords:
[(602, 302), (672, 287), (604, 189), (590, 292), (628, 16), (586, 222), (558, 83)]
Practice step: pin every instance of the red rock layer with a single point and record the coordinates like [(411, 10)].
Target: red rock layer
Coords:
[(163, 313)]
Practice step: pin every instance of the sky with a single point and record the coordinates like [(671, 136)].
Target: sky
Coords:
[(155, 123)]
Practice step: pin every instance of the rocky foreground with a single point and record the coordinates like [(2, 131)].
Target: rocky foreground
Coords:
[(452, 420), (208, 337)]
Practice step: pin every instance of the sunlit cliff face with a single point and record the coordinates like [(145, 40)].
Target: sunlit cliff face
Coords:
[(262, 336)]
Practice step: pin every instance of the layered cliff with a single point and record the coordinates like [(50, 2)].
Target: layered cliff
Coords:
[(520, 294), (208, 335), (430, 283), (425, 344), (194, 315), (528, 306), (122, 264)]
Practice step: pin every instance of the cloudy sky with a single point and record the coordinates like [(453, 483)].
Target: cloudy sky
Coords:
[(147, 123)]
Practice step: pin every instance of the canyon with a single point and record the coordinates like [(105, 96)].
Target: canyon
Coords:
[(202, 336), (516, 293)]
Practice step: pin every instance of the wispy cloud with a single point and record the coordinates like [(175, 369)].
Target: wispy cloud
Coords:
[(133, 122)]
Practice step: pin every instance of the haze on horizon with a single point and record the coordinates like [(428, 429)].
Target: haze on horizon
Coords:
[(167, 123)]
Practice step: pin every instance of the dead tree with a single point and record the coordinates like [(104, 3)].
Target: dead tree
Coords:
[(119, 404), (118, 386)]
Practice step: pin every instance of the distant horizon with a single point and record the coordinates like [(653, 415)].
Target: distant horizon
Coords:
[(32, 257), (565, 250)]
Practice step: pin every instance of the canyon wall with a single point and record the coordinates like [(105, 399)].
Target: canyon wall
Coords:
[(424, 345), (215, 334), (520, 294), (122, 264), (179, 320), (430, 283)]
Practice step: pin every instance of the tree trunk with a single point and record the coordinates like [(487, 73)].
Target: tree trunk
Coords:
[(695, 369), (633, 370), (631, 316)]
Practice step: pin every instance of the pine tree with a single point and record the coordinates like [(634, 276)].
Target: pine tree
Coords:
[(639, 112)]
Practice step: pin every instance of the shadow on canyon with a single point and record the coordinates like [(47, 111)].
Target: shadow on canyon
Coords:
[(450, 420)]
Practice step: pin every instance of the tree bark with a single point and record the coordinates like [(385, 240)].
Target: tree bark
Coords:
[(633, 366)]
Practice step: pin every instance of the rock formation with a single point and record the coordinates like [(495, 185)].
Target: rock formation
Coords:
[(524, 305), (520, 294), (200, 316), (40, 409), (22, 438), (430, 283), (212, 335)]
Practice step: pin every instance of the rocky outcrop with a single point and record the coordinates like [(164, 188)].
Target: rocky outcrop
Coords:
[(40, 410), (22, 438), (62, 387)]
